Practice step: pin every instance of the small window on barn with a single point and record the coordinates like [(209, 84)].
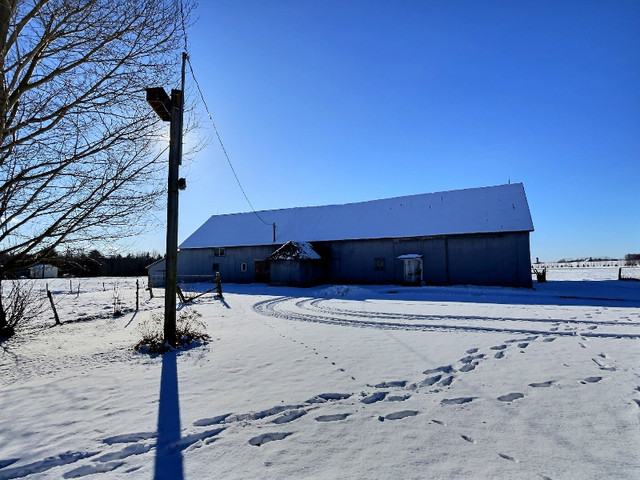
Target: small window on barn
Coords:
[(243, 267), (216, 267), (379, 265), (218, 252)]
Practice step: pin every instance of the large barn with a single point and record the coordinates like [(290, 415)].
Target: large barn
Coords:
[(477, 236)]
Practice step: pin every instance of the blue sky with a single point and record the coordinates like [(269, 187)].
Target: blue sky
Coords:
[(341, 101)]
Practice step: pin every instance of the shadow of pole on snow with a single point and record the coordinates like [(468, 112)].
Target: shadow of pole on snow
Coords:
[(168, 464)]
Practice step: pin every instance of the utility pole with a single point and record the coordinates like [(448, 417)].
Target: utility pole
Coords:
[(171, 109)]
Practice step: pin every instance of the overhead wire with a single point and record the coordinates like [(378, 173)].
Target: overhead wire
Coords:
[(206, 107), (215, 129)]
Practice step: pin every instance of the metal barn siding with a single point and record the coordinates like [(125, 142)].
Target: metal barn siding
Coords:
[(301, 273), (357, 261), (495, 259), (480, 259), (201, 264)]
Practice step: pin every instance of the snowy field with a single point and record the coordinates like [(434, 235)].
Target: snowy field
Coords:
[(333, 382)]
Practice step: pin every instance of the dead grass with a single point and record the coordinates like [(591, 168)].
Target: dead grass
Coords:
[(190, 332)]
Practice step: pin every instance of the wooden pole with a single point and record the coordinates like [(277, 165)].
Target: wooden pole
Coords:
[(175, 159), (53, 306)]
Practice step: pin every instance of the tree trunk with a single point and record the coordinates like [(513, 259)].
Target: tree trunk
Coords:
[(6, 331)]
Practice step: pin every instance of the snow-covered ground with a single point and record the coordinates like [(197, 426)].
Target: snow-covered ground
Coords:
[(375, 382)]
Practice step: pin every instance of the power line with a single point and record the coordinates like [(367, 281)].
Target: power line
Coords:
[(186, 50), (215, 129)]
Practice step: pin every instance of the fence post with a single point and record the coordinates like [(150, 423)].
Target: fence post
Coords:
[(53, 306), (137, 293), (219, 285)]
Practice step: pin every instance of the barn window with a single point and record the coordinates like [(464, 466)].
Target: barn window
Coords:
[(218, 252), (379, 264), (243, 267), (216, 267)]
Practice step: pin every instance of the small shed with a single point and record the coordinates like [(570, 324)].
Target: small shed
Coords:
[(295, 263)]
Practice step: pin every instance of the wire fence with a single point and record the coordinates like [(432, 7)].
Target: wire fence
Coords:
[(188, 283)]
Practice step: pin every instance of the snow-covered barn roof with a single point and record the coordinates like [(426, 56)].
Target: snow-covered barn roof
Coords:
[(501, 208)]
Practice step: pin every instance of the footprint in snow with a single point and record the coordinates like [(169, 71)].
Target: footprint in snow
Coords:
[(498, 347), (468, 439), (472, 350), (507, 457), (398, 398), (375, 397), (511, 397), (523, 345), (6, 463), (91, 469), (549, 339), (472, 358), (499, 355), (591, 380), (268, 437), (542, 384), (457, 401), (399, 415), (602, 366), (467, 367), (332, 418), (325, 397), (397, 383), (129, 438), (205, 422), (442, 369), (447, 381), (290, 416), (430, 381), (439, 422)]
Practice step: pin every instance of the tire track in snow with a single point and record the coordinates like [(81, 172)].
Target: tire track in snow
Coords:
[(280, 308)]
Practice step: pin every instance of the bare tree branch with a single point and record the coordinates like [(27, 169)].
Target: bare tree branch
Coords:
[(79, 146)]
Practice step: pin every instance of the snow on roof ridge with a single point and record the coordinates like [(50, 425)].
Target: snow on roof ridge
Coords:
[(499, 208), (270, 210)]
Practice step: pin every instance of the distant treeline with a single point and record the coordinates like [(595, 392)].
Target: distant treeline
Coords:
[(630, 259), (95, 264)]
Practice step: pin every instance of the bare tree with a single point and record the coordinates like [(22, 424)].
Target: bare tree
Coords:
[(80, 150)]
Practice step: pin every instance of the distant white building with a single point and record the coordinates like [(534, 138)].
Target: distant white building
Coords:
[(43, 271)]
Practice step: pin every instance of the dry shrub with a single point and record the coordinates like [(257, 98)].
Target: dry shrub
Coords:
[(21, 303), (190, 332)]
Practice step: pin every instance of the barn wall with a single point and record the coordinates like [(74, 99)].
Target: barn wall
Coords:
[(295, 272), (475, 259), (197, 264), (498, 259), (478, 259)]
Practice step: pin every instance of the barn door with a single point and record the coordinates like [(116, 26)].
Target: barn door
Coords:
[(261, 271), (413, 271)]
